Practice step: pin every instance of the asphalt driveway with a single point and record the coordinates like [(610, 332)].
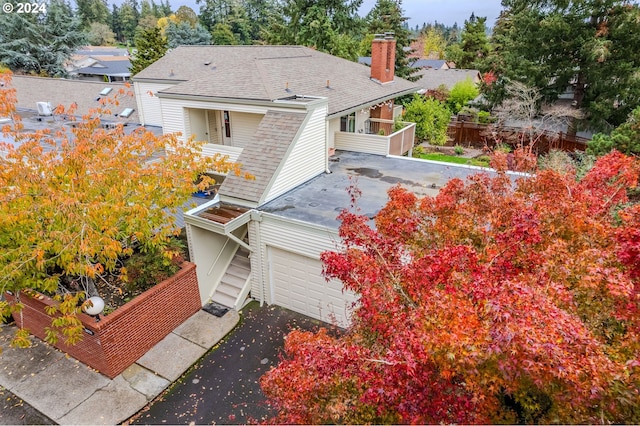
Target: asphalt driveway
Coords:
[(222, 387)]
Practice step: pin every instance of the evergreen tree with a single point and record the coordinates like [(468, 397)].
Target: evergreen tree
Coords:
[(625, 138), (90, 11), (474, 44), (116, 25), (592, 46), (387, 16), (181, 33), (129, 16), (222, 35), (150, 46), (40, 46), (331, 26)]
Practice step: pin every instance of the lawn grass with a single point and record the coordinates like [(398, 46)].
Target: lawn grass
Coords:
[(437, 156)]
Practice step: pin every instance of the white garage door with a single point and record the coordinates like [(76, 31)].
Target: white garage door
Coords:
[(297, 284)]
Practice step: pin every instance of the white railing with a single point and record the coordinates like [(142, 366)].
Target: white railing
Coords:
[(397, 143)]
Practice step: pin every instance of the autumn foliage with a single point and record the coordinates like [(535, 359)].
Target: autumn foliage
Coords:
[(497, 301), (76, 198)]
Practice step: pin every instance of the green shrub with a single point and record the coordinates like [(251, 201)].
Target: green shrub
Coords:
[(458, 150), (484, 117), (146, 268), (431, 118), (461, 93), (503, 147)]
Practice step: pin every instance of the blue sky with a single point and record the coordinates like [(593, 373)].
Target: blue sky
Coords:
[(444, 11)]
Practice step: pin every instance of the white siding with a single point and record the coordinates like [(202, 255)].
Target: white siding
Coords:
[(298, 239), (333, 128), (174, 118), (243, 127), (297, 284), (213, 149), (149, 107), (356, 142), (307, 158), (212, 120)]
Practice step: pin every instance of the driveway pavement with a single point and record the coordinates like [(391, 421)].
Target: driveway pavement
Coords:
[(222, 387)]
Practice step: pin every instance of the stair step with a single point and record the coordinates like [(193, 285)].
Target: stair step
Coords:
[(228, 289), (241, 261), (224, 299), (238, 271), (234, 281)]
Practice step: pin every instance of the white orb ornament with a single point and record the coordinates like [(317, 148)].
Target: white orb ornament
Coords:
[(97, 305)]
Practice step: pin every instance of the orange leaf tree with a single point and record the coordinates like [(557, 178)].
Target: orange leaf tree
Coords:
[(74, 199), (494, 301)]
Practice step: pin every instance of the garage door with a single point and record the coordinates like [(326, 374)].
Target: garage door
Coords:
[(297, 284)]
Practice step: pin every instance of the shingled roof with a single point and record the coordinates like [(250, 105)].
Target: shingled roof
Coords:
[(268, 73), (269, 146), (85, 94)]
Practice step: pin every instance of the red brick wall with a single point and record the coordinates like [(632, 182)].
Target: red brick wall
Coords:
[(383, 59), (123, 336)]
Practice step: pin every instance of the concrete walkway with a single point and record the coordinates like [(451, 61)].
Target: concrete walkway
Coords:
[(68, 392)]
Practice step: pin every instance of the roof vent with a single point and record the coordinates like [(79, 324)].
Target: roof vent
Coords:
[(207, 63), (44, 108)]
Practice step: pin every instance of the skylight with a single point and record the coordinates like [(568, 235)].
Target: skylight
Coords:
[(126, 112), (106, 91)]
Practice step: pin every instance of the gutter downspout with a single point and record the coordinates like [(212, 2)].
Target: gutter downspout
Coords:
[(256, 216), (326, 146)]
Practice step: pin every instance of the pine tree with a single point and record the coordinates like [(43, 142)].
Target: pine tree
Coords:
[(331, 26), (150, 46), (40, 46), (181, 33), (592, 46)]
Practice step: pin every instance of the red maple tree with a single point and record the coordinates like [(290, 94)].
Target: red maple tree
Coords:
[(494, 301)]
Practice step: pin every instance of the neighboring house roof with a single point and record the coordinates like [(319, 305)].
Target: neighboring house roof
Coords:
[(430, 63), (269, 146), (364, 60), (84, 94), (102, 51), (431, 79), (113, 66), (268, 73)]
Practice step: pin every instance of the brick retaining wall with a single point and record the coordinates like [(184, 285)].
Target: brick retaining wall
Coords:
[(122, 337)]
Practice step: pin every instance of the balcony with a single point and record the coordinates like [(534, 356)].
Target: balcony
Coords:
[(378, 139)]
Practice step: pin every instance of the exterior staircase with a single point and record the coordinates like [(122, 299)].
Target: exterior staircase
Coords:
[(234, 282)]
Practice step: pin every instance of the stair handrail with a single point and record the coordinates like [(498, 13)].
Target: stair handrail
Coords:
[(218, 257)]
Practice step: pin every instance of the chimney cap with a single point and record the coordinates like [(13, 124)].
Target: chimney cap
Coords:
[(378, 36), (389, 35)]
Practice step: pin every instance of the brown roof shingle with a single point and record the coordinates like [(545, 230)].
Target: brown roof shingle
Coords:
[(84, 94), (269, 73), (263, 155)]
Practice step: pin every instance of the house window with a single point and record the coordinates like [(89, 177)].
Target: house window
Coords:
[(348, 123), (227, 124)]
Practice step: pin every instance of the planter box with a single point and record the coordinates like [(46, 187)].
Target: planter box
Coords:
[(122, 337)]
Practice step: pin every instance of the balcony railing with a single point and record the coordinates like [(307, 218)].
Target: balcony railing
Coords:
[(378, 138)]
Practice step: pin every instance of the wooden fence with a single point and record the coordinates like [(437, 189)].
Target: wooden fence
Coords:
[(483, 135)]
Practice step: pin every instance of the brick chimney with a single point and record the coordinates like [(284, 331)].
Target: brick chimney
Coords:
[(383, 57)]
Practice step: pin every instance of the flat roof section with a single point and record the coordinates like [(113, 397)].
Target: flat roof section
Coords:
[(320, 200)]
